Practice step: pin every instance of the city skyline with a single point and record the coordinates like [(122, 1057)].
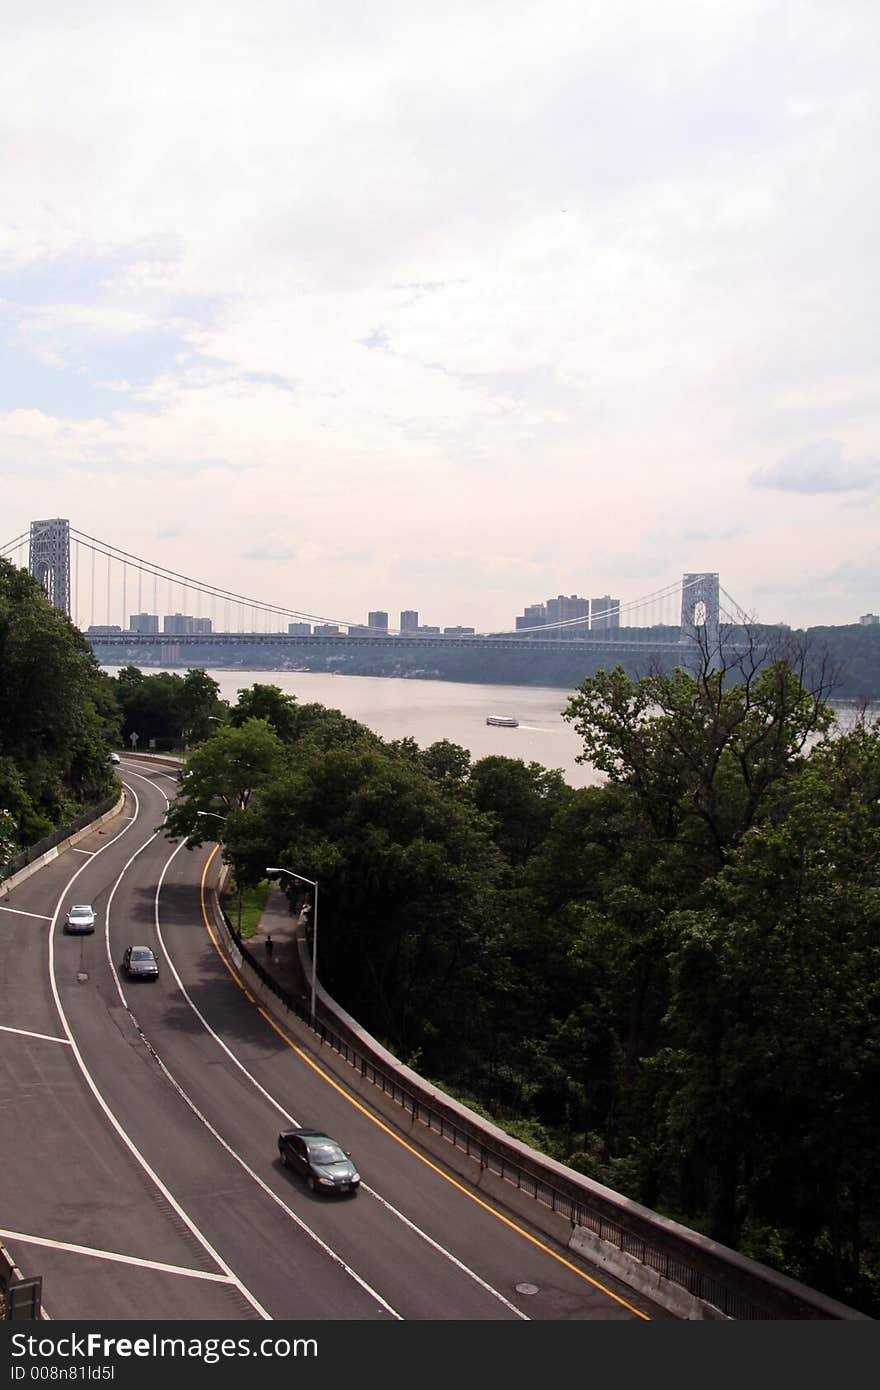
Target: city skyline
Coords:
[(471, 307)]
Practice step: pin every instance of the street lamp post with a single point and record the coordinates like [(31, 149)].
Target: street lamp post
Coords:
[(216, 815), (312, 884)]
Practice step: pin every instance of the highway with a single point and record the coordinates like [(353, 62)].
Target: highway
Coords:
[(141, 1177)]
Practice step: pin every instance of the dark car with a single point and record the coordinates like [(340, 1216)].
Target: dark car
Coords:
[(139, 963), (80, 919), (322, 1161)]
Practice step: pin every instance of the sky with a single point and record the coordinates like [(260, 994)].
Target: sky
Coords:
[(449, 307)]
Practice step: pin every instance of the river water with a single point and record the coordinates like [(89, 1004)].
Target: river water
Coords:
[(429, 711)]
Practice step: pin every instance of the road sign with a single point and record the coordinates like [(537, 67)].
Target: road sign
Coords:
[(133, 738)]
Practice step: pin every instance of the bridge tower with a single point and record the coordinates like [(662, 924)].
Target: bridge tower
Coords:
[(700, 611), (49, 561)]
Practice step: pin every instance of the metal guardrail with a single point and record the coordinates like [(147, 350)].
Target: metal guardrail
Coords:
[(670, 1263), (27, 856)]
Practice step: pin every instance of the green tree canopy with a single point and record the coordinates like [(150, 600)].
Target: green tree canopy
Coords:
[(704, 752), (58, 719)]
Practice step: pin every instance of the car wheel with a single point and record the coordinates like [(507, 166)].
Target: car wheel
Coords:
[(283, 1156), (313, 1184)]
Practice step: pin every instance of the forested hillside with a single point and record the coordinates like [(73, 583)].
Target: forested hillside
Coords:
[(59, 717), (670, 982)]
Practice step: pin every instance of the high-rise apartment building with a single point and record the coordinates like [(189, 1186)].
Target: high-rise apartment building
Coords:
[(568, 609), (378, 621), (533, 616), (185, 625), (409, 620), (145, 623), (604, 614)]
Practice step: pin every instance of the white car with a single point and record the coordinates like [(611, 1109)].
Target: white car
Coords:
[(80, 919), (114, 758)]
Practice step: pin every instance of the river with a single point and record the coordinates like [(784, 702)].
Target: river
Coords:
[(429, 711)]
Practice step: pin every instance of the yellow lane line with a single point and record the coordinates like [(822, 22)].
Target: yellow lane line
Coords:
[(319, 1071)]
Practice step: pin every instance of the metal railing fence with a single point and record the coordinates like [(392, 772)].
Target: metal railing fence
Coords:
[(671, 1258), (27, 856)]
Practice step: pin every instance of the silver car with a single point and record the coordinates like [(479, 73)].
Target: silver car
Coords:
[(80, 919)]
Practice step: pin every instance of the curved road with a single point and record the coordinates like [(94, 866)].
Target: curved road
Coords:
[(140, 1168)]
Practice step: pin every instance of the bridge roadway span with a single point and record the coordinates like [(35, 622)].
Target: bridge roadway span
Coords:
[(344, 642), (141, 1176)]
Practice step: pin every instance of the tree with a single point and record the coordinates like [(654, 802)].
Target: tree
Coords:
[(56, 718), (704, 752), (775, 1010), (270, 703), (197, 705), (222, 776), (171, 709), (522, 799), (407, 871)]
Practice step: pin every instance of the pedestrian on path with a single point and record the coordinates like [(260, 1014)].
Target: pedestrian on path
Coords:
[(270, 947)]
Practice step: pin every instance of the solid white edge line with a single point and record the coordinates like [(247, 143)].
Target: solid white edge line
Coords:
[(66, 1247), (298, 1221), (90, 1082), (26, 1033), (423, 1235)]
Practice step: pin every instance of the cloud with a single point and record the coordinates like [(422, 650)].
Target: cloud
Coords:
[(819, 467), (325, 250)]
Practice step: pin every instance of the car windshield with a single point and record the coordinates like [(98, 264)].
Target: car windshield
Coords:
[(80, 912), (326, 1152), (141, 953)]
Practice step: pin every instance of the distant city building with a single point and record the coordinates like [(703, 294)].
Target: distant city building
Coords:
[(145, 623), (459, 631), (359, 630), (299, 629), (409, 620), (108, 630), (533, 616), (869, 619), (604, 614), (569, 609), (378, 621), (428, 631), (326, 630), (185, 625)]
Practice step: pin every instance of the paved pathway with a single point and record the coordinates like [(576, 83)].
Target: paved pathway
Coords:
[(282, 961)]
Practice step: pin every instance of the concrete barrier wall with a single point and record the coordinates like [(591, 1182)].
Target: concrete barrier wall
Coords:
[(8, 884), (780, 1296)]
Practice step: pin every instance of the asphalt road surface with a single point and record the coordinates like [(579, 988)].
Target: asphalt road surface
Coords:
[(140, 1171)]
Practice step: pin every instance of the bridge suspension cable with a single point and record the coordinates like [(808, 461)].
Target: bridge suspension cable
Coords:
[(127, 573)]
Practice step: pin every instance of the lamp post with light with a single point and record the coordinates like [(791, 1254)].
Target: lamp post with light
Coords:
[(312, 884)]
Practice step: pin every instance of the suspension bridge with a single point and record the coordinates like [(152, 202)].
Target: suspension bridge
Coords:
[(129, 607)]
